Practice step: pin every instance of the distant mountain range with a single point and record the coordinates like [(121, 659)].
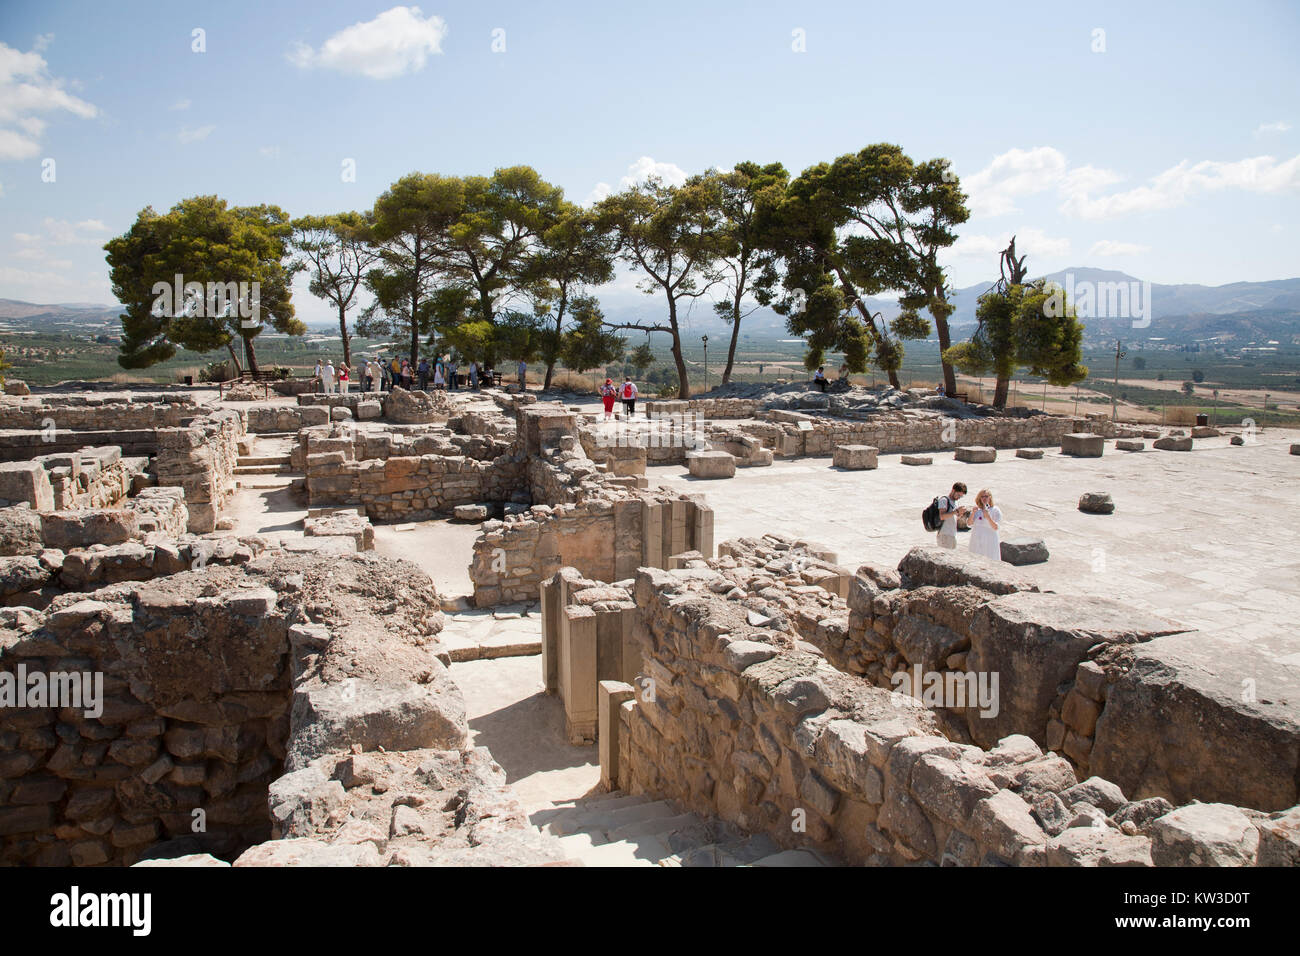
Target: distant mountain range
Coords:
[(1207, 310)]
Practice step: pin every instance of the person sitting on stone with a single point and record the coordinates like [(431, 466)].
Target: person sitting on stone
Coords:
[(819, 379)]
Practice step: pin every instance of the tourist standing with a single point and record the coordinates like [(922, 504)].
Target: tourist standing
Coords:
[(408, 375), (423, 372), (608, 392), (344, 378), (985, 522), (453, 374), (320, 376), (473, 375), (523, 375), (628, 394), (439, 379), (395, 373), (947, 534), (327, 378)]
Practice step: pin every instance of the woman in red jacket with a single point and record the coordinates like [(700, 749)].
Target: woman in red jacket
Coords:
[(607, 395)]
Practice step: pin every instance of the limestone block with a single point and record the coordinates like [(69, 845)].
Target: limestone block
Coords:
[(1082, 445), (25, 481), (1022, 551), (1030, 454), (976, 454), (1130, 444), (916, 460), (855, 457), (20, 532), (711, 464), (470, 512), (368, 409), (611, 696), (1172, 443), (1204, 834)]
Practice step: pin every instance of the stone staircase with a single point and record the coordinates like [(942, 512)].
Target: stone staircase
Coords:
[(618, 829), (263, 465)]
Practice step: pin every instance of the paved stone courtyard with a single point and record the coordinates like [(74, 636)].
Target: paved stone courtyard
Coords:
[(1206, 538)]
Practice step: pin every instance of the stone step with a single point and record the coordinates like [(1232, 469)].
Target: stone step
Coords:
[(647, 851), (604, 821), (245, 460), (610, 801), (687, 823), (738, 853), (263, 470)]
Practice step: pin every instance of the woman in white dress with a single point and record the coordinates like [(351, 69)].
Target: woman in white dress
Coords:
[(985, 522)]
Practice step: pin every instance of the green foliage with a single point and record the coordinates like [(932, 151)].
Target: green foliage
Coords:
[(1139, 363), (336, 250), (216, 372), (641, 358), (1188, 388), (217, 246), (1020, 327), (587, 345), (1198, 376)]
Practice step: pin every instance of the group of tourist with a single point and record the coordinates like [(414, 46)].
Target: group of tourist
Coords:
[(985, 520), (380, 374)]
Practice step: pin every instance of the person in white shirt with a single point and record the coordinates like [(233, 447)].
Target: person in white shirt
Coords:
[(948, 513), (985, 522), (327, 378)]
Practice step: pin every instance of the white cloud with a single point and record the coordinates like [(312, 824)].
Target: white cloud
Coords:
[(42, 42), (1113, 247), (62, 232), (396, 42), (198, 134), (1017, 172), (1033, 242), (638, 172), (994, 190), (179, 105), (1281, 126), (1174, 186), (270, 152), (26, 89)]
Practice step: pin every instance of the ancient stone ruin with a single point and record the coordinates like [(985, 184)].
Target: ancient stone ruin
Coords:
[(216, 648)]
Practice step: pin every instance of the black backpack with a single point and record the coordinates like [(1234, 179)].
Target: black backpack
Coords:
[(930, 516)]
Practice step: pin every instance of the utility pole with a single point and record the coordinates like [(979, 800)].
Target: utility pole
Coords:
[(705, 340), (1114, 398)]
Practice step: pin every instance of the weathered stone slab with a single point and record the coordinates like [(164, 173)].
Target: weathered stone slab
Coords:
[(711, 464), (1030, 454), (1172, 443), (1035, 642), (1130, 444), (916, 460), (1207, 718), (940, 567), (1022, 551), (1082, 445), (976, 454), (855, 457)]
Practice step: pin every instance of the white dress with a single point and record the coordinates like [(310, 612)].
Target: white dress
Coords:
[(984, 539)]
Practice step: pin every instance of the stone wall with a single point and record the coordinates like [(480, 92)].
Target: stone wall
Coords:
[(201, 459), (82, 413), (247, 712), (734, 715)]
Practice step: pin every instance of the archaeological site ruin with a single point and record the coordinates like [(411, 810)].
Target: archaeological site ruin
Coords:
[(492, 629)]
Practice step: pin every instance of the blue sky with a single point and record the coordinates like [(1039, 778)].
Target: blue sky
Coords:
[(1167, 146)]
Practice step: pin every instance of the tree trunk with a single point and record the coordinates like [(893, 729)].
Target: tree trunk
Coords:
[(735, 336), (251, 354), (866, 314), (1000, 393), (343, 330), (234, 358), (683, 386), (559, 331), (945, 340), (415, 307)]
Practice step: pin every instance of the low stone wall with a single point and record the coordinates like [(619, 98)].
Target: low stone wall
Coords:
[(281, 418), (81, 413), (201, 459), (603, 539), (707, 407), (732, 716)]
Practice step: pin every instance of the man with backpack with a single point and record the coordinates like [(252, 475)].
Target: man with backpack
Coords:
[(941, 516), (628, 394)]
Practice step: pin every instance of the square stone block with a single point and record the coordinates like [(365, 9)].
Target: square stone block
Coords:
[(711, 464), (1082, 445), (1031, 454), (977, 454), (855, 457)]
